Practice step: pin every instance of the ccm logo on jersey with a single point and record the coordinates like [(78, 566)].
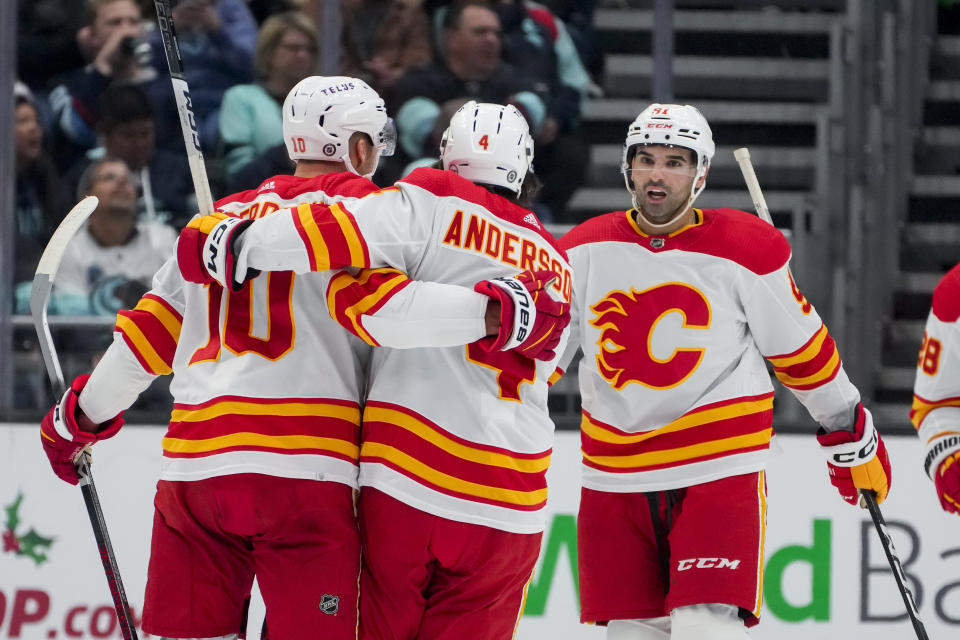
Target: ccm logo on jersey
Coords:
[(480, 235), (707, 563)]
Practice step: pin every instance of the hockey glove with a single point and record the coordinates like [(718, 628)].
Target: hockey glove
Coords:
[(65, 431), (857, 459), (942, 464), (206, 250), (531, 320)]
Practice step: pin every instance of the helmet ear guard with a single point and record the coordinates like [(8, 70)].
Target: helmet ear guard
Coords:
[(489, 144), (321, 113)]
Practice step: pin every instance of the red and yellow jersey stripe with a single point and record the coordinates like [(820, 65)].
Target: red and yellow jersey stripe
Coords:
[(151, 330), (922, 407), (409, 444), (331, 237), (277, 425), (716, 430), (350, 297), (814, 364)]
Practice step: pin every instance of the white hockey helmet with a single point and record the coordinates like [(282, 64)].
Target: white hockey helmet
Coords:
[(488, 143), (677, 125), (321, 113)]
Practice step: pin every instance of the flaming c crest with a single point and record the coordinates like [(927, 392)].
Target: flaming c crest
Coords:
[(626, 322)]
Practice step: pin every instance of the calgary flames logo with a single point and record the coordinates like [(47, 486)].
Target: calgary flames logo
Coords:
[(626, 322)]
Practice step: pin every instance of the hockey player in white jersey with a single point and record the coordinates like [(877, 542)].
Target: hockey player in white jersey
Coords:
[(261, 457), (456, 442), (675, 309), (936, 392)]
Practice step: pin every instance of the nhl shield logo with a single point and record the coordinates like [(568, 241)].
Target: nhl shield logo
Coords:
[(330, 605), (657, 243), (329, 149)]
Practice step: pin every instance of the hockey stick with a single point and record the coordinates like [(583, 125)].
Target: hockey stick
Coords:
[(188, 124), (869, 497), (39, 298), (742, 156), (753, 185)]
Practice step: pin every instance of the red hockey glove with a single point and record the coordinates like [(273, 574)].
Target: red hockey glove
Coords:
[(942, 464), (857, 459), (65, 430), (206, 250), (531, 320)]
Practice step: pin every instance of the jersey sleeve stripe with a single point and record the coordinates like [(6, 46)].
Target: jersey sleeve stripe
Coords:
[(152, 346), (922, 407), (821, 375), (350, 297), (317, 252), (356, 247), (163, 311), (556, 375), (805, 353)]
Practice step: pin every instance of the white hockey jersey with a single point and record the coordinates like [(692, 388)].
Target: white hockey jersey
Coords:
[(936, 390), (459, 432), (674, 330), (264, 381)]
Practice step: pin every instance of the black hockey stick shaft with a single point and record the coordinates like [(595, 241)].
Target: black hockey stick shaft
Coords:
[(47, 269), (127, 626), (188, 123), (870, 499)]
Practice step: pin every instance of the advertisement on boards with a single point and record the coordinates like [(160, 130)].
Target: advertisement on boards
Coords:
[(825, 573)]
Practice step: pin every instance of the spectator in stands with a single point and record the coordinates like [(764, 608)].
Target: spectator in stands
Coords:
[(536, 42), (382, 40), (250, 122), (111, 261), (46, 40), (216, 40), (471, 69), (127, 131), (113, 37), (40, 200)]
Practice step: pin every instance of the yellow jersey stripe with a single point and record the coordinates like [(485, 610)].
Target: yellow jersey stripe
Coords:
[(737, 410), (140, 342), (292, 409), (448, 482), (679, 454), (166, 317), (246, 438), (452, 447), (825, 372), (318, 247), (350, 235), (806, 355)]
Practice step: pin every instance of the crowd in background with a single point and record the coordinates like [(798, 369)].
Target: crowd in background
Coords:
[(95, 111)]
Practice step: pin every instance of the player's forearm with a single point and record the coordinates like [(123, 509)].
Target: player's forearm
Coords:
[(115, 383), (432, 314)]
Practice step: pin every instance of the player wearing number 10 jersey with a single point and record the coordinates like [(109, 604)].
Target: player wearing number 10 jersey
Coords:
[(456, 441), (260, 460), (675, 309)]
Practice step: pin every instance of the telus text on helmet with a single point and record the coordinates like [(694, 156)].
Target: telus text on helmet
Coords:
[(337, 88)]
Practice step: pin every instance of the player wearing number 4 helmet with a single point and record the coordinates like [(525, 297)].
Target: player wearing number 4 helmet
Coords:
[(676, 308), (936, 392), (260, 461), (456, 441)]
